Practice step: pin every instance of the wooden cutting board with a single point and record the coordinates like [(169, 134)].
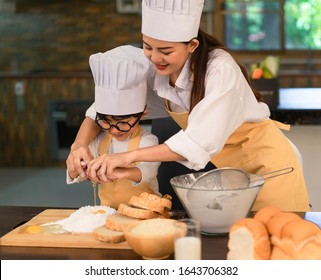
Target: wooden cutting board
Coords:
[(19, 236)]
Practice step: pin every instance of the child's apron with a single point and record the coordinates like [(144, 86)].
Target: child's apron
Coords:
[(259, 148), (120, 191)]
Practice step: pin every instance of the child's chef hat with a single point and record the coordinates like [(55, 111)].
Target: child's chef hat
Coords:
[(120, 80), (171, 20)]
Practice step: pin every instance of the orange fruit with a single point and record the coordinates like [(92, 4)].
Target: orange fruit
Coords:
[(257, 73)]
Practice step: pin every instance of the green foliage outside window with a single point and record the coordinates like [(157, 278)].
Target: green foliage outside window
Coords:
[(261, 24), (303, 24)]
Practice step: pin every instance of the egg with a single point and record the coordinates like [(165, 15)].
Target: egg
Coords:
[(43, 229), (101, 211), (34, 229)]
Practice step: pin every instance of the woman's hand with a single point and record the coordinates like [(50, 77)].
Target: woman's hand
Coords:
[(77, 161), (102, 169)]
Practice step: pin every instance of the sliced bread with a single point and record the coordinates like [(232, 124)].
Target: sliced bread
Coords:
[(107, 235), (143, 203), (137, 212), (118, 221), (164, 201)]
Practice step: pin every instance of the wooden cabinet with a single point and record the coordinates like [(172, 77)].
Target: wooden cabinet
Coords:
[(24, 114)]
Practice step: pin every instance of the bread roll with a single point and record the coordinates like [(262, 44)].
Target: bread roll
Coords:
[(300, 230), (104, 234), (266, 213), (248, 240), (118, 221), (279, 220), (299, 240), (311, 250), (278, 254), (282, 249)]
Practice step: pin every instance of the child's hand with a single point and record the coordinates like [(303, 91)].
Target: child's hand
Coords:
[(76, 160)]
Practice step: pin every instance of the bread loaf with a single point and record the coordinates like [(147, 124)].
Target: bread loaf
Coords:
[(266, 213), (289, 237), (104, 234), (118, 221), (248, 240)]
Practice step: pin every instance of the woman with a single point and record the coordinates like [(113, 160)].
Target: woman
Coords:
[(208, 94)]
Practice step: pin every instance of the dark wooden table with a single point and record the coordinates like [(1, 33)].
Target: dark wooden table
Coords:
[(213, 248)]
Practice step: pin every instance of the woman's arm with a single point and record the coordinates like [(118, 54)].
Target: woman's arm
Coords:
[(79, 151)]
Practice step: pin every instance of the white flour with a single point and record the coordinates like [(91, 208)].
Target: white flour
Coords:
[(85, 219)]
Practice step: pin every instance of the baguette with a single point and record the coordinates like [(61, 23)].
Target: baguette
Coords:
[(118, 221), (104, 234), (248, 240)]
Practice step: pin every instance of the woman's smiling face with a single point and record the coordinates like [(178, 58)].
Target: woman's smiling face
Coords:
[(168, 57)]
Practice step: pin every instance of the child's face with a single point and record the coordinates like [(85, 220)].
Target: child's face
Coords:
[(121, 129)]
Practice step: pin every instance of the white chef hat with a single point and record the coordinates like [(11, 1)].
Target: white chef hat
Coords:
[(120, 80), (171, 20)]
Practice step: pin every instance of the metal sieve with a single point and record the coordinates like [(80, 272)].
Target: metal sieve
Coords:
[(229, 178)]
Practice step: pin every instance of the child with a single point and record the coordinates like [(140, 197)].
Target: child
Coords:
[(120, 98)]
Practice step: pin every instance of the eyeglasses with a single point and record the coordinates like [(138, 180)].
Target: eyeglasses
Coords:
[(122, 126)]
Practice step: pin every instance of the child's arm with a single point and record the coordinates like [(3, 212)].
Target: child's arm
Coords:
[(79, 149), (74, 177)]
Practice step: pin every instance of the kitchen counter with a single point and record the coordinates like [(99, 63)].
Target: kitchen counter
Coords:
[(213, 248)]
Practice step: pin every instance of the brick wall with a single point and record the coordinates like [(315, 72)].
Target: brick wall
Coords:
[(46, 35)]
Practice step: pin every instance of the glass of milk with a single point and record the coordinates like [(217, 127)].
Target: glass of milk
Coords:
[(187, 244)]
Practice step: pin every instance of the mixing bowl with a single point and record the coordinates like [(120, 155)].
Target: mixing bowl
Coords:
[(218, 200)]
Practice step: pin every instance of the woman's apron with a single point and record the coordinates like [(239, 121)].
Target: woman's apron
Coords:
[(259, 148), (120, 191)]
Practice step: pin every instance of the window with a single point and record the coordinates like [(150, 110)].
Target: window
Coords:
[(303, 24), (272, 24)]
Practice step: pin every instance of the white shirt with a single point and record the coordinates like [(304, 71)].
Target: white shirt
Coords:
[(228, 103), (148, 169)]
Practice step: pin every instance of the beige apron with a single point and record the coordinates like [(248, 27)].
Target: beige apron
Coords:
[(120, 191), (259, 148)]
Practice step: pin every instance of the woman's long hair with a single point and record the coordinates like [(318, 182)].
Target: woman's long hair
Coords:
[(198, 65)]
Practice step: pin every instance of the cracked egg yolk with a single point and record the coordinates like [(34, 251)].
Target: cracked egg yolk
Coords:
[(101, 211), (34, 229)]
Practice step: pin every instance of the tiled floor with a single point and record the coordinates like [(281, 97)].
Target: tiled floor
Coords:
[(42, 187)]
